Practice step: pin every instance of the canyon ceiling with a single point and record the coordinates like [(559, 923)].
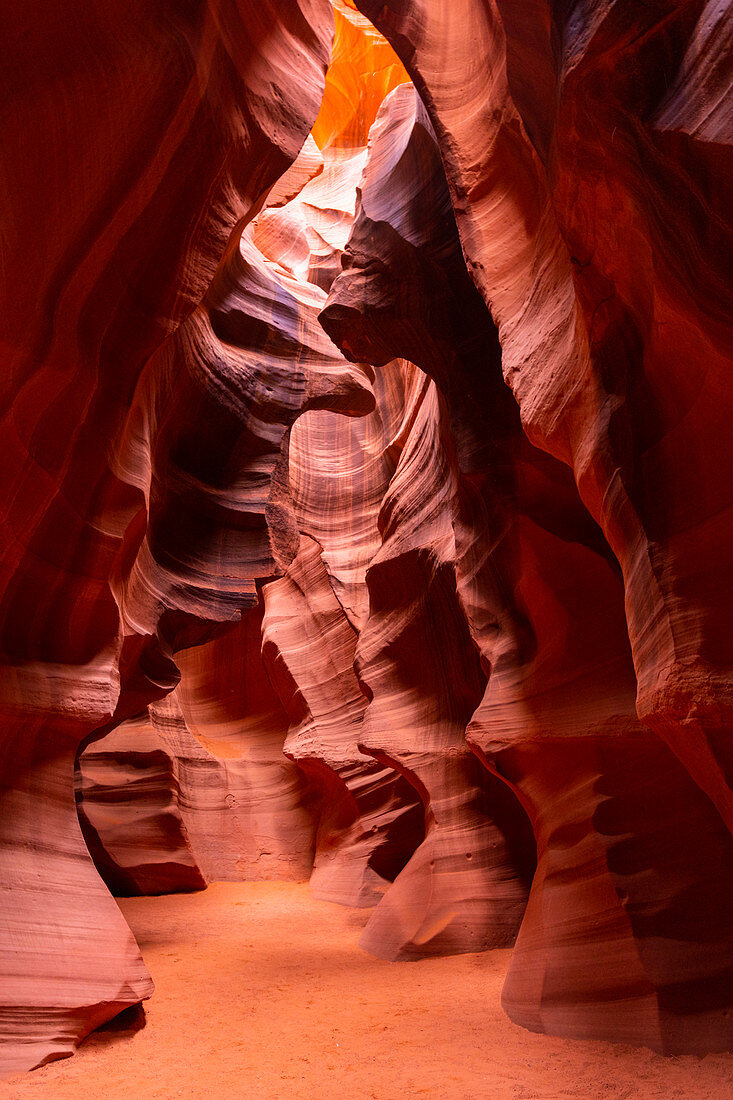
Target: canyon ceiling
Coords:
[(367, 505)]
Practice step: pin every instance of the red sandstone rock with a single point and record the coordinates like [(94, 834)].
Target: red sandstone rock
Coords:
[(128, 797), (586, 161), (201, 790), (137, 140), (173, 439), (396, 296), (248, 810), (534, 580), (370, 819), (461, 891), (368, 826)]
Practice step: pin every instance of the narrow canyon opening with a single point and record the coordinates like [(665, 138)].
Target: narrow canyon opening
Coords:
[(364, 612)]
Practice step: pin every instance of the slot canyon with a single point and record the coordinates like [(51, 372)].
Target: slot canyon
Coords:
[(366, 494)]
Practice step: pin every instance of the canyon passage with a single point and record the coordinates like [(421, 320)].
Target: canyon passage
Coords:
[(367, 520)]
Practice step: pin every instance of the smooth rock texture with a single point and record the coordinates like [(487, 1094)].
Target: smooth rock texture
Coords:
[(370, 818), (534, 578), (588, 157), (365, 506), (128, 799), (199, 789), (156, 134), (462, 890)]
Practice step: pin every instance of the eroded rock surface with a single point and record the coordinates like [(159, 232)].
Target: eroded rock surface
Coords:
[(198, 789), (534, 580), (364, 509), (156, 134), (588, 179)]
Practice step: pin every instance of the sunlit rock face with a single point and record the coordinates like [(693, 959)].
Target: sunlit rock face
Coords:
[(370, 819), (387, 608), (586, 160), (583, 177), (363, 508)]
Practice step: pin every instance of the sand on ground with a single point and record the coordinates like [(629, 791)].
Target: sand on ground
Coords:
[(262, 992)]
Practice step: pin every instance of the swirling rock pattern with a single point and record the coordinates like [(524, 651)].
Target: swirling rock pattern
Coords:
[(404, 290), (367, 824), (199, 790), (462, 889), (586, 179), (536, 624), (157, 134), (370, 627), (128, 796)]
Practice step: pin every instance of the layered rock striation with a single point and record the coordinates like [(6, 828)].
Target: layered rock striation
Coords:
[(581, 364), (157, 135), (588, 177), (363, 510)]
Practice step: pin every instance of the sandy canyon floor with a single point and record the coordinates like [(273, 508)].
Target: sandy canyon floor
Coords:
[(262, 992)]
